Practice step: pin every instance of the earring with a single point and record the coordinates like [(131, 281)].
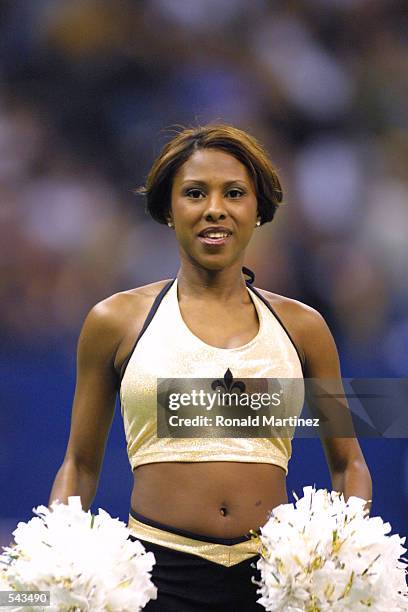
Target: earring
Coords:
[(169, 223), (258, 223)]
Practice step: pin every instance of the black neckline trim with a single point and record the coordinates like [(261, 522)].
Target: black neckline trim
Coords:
[(249, 273), (146, 324), (268, 305), (166, 288)]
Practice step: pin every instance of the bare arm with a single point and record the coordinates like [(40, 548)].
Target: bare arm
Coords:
[(348, 469), (93, 405)]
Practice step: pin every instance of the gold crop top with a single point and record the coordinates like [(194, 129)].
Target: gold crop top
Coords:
[(166, 348)]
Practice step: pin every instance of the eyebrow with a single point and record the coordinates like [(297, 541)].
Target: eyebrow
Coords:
[(204, 183)]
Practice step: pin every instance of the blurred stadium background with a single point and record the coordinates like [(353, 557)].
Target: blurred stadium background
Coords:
[(88, 90)]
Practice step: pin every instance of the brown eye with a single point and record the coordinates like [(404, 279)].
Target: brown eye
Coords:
[(195, 194), (234, 194)]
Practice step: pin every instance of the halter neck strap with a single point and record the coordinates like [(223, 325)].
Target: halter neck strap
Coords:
[(249, 273)]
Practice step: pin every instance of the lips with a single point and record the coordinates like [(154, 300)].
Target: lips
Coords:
[(215, 231), (214, 235)]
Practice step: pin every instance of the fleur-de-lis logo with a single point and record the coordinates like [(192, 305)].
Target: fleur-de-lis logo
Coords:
[(228, 384)]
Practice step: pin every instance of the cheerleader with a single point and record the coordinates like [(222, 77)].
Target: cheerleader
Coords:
[(195, 500)]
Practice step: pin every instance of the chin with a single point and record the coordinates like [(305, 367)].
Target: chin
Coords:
[(214, 264)]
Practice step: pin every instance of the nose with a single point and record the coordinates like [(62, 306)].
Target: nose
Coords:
[(215, 209)]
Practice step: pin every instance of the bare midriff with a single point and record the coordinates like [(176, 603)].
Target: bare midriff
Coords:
[(219, 499)]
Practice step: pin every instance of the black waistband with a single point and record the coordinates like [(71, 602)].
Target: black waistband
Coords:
[(188, 534)]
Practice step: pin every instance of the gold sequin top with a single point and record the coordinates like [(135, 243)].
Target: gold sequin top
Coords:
[(166, 348)]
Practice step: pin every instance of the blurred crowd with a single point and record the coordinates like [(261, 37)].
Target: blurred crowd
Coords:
[(90, 91)]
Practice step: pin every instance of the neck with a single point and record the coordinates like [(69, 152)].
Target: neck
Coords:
[(196, 281)]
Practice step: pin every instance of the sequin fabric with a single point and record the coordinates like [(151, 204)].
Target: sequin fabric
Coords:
[(169, 349)]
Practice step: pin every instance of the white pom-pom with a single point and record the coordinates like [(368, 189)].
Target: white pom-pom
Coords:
[(86, 562), (326, 554)]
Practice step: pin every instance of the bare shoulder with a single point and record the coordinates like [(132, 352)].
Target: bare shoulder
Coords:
[(305, 324), (297, 312), (113, 309), (110, 320), (147, 291)]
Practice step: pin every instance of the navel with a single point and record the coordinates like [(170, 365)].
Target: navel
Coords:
[(223, 511)]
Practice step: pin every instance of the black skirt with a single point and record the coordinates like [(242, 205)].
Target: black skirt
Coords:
[(189, 583)]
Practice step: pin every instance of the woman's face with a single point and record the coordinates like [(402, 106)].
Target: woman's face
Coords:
[(213, 208)]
